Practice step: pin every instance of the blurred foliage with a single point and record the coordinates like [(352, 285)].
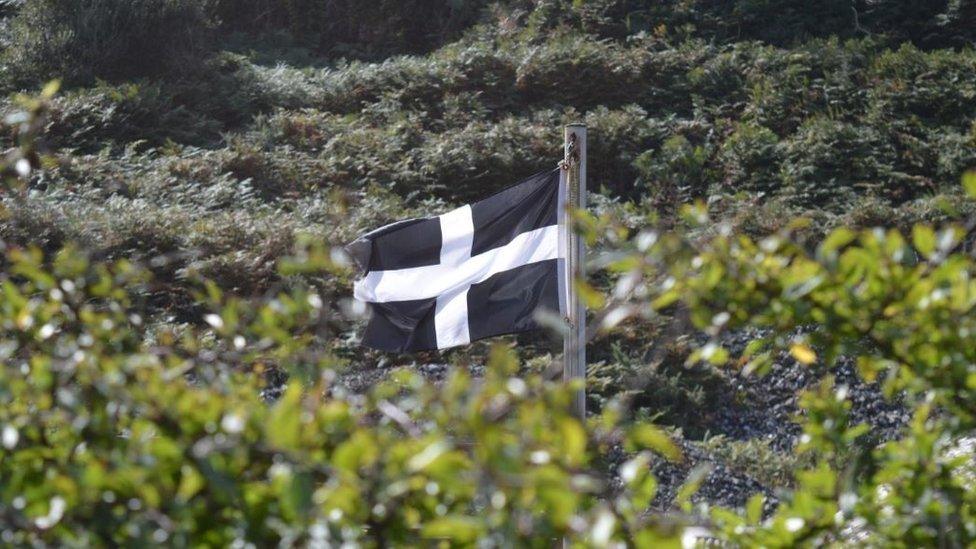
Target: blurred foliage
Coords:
[(903, 306), (160, 287), (115, 434), (121, 431)]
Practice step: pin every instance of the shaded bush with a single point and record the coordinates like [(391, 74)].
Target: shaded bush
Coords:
[(786, 87), (751, 157), (355, 28), (517, 149), (829, 161), (680, 170), (81, 40), (89, 120), (615, 137), (194, 109), (935, 23), (928, 89), (580, 72), (422, 82)]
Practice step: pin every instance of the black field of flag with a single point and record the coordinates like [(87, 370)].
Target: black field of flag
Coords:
[(481, 270)]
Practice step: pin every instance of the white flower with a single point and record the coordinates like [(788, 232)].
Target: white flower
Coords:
[(10, 437), (539, 457), (232, 423), (794, 524), (23, 167)]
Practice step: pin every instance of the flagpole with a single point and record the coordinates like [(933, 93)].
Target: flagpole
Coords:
[(574, 344)]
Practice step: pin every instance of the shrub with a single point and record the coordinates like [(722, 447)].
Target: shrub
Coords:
[(751, 158), (668, 391), (88, 120), (823, 77), (956, 155), (937, 23), (876, 295), (153, 438), (929, 89), (829, 161), (372, 28), (580, 72), (517, 149), (122, 428), (616, 138), (680, 170), (758, 460), (81, 40)]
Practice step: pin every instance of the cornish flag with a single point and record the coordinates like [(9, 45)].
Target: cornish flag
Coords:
[(479, 271)]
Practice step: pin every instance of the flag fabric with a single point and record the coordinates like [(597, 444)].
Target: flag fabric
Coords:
[(482, 270)]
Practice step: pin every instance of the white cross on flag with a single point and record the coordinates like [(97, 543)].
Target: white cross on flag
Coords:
[(478, 271)]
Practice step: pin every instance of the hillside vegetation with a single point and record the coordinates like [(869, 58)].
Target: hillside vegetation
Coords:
[(171, 223)]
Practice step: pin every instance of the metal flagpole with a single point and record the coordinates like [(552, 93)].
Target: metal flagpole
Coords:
[(574, 344)]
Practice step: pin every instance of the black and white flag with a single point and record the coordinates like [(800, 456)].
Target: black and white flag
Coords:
[(478, 271)]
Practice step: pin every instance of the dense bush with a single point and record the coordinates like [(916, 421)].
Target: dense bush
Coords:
[(816, 125), (829, 161), (936, 23), (356, 28), (750, 157), (579, 71), (676, 172), (80, 41), (119, 434), (89, 120)]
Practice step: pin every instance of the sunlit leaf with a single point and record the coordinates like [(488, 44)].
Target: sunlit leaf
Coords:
[(969, 183), (803, 353), (645, 435)]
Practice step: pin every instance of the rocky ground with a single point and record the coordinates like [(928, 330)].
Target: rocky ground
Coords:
[(763, 408)]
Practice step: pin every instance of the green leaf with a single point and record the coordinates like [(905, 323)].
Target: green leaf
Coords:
[(459, 529), (754, 508), (360, 450), (427, 456), (591, 297), (691, 486), (647, 436), (923, 237), (190, 483), (803, 354), (284, 424), (574, 440), (969, 183), (714, 354), (51, 89), (836, 240), (754, 347), (664, 300)]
